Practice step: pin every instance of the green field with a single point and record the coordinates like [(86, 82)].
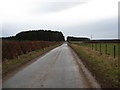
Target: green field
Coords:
[(109, 49), (76, 42)]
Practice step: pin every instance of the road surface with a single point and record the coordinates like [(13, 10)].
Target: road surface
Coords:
[(56, 69)]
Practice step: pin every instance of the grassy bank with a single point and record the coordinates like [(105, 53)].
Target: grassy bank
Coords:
[(104, 68), (22, 59)]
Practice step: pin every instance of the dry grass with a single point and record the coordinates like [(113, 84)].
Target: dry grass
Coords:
[(104, 68), (8, 65)]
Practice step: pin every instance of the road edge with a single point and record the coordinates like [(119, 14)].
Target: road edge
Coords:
[(88, 75), (22, 66)]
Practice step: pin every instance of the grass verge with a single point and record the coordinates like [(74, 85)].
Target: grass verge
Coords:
[(105, 69), (9, 65)]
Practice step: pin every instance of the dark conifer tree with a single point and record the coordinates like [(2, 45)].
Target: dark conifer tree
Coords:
[(38, 35)]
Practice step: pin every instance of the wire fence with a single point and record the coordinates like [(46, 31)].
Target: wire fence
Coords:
[(109, 49)]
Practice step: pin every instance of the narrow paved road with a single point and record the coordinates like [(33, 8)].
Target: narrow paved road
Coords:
[(56, 69)]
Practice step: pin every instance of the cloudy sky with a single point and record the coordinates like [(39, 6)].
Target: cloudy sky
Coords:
[(98, 18)]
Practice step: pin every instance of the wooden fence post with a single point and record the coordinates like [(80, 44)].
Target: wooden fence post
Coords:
[(106, 49), (114, 51), (92, 46), (100, 49), (96, 46)]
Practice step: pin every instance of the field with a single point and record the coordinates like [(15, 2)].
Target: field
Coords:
[(104, 68), (109, 49)]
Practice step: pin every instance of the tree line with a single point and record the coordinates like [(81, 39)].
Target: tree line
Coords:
[(69, 38), (37, 35)]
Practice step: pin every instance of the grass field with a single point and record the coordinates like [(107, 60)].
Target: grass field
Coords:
[(109, 49), (76, 42), (105, 69)]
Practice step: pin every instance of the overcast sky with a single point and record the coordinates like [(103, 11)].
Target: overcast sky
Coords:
[(98, 18)]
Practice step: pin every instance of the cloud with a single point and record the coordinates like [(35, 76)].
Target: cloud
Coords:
[(48, 7), (107, 28), (65, 13), (72, 17)]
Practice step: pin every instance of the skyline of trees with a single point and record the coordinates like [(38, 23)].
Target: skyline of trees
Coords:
[(70, 38), (38, 35)]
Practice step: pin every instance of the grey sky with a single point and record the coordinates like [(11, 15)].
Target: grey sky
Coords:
[(72, 17), (48, 7), (101, 29)]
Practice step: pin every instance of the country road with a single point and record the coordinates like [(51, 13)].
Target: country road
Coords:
[(56, 69)]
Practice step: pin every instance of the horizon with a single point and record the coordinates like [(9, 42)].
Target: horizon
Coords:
[(66, 36), (71, 17)]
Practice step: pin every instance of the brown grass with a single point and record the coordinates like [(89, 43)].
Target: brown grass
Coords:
[(104, 68), (8, 65)]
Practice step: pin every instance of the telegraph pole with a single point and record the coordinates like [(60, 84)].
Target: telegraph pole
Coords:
[(91, 37)]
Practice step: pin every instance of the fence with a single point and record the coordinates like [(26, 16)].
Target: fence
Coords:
[(109, 49)]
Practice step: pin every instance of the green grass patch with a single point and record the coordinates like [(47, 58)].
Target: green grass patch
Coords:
[(107, 49), (104, 68), (22, 59), (103, 48), (75, 42)]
